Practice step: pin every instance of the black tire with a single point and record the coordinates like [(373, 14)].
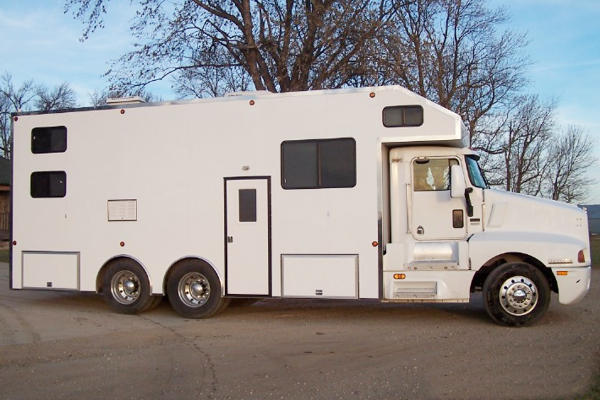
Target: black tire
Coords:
[(194, 290), (516, 294), (156, 301), (126, 288)]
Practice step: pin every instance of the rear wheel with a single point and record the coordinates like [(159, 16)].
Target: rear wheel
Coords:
[(126, 287), (194, 290), (516, 294)]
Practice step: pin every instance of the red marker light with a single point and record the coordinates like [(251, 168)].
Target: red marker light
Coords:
[(122, 244)]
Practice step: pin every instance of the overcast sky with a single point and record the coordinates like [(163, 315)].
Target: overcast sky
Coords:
[(41, 43)]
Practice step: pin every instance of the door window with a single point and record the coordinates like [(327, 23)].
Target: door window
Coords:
[(432, 174)]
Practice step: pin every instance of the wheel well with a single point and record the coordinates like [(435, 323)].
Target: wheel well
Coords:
[(182, 261), (488, 267), (100, 276)]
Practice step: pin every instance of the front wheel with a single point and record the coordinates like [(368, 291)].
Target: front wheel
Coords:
[(194, 290), (516, 294)]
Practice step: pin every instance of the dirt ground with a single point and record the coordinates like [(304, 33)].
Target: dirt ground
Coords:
[(65, 345)]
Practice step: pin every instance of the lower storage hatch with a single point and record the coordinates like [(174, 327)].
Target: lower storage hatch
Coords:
[(319, 275), (50, 270)]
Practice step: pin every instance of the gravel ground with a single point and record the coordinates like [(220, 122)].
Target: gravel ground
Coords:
[(69, 345)]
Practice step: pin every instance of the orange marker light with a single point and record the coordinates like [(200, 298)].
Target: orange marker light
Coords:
[(375, 243), (399, 276), (562, 273), (372, 94)]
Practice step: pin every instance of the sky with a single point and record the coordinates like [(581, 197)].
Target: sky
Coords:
[(43, 43)]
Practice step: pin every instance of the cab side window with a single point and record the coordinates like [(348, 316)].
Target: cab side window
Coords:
[(432, 174)]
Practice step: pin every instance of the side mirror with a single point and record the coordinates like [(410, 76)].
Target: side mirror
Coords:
[(457, 181)]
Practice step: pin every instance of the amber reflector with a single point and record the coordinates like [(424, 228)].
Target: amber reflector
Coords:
[(580, 257), (562, 273), (399, 276)]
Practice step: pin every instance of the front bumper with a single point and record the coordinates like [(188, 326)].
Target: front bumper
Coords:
[(573, 286)]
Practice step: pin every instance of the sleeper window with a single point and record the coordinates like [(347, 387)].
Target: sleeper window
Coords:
[(316, 164), (399, 116)]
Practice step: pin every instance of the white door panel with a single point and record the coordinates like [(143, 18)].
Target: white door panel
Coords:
[(247, 236), (432, 212)]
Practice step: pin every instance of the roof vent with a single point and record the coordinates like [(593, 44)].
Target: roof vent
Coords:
[(124, 100)]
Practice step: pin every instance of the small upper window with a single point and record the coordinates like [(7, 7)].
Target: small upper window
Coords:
[(48, 184), (398, 116), (316, 164), (49, 140)]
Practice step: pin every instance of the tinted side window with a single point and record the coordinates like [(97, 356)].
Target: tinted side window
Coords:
[(338, 163), (49, 140), (299, 161), (315, 164), (398, 116), (48, 184)]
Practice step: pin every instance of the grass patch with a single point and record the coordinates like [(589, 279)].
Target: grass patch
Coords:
[(595, 249), (4, 255)]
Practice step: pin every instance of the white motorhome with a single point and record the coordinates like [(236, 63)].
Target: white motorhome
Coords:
[(367, 193)]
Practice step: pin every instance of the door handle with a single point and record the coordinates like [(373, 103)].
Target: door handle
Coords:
[(420, 230), (229, 239)]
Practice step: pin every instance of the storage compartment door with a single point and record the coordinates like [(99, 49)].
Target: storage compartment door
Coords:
[(322, 275), (50, 270)]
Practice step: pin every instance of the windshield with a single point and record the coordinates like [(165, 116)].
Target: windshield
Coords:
[(475, 174)]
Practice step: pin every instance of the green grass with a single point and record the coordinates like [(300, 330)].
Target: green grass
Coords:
[(595, 248), (4, 255)]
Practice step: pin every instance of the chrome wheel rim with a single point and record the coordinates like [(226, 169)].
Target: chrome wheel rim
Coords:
[(125, 287), (193, 289), (518, 295)]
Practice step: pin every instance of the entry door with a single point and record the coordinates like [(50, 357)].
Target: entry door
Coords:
[(435, 215), (247, 238)]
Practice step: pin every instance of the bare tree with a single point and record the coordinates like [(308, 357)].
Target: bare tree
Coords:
[(569, 158), (27, 97), (520, 146), (59, 98), (451, 52), (12, 99), (281, 45)]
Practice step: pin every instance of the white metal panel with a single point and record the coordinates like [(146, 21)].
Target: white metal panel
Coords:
[(247, 241), (51, 270), (323, 275)]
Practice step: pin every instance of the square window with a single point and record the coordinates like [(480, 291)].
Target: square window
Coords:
[(49, 140), (48, 184), (317, 164)]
